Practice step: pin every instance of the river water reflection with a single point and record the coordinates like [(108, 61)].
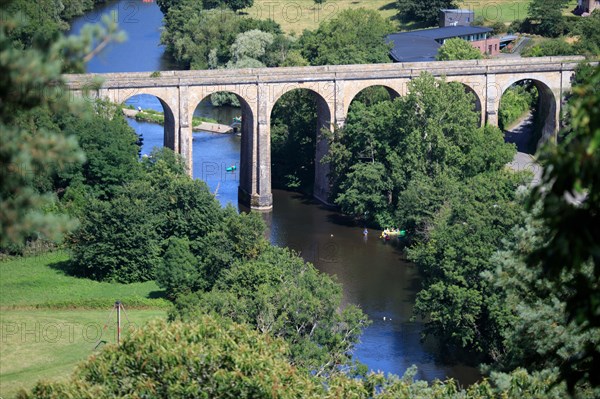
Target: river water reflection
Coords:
[(373, 274)]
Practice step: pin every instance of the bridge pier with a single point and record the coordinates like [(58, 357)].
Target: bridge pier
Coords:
[(335, 86), (321, 187)]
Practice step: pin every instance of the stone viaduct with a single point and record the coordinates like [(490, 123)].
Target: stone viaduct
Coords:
[(334, 87)]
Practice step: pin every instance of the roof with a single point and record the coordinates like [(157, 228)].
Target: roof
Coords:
[(508, 38), (447, 32), (409, 48), (457, 11), (421, 45)]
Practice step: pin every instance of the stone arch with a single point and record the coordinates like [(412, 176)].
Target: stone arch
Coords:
[(475, 86), (170, 125), (477, 100), (547, 106), (247, 163), (391, 91), (395, 87), (325, 120)]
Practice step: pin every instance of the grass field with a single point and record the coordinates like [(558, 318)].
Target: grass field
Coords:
[(50, 321), (498, 10), (297, 15)]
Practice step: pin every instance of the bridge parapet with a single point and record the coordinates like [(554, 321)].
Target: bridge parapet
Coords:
[(336, 85)]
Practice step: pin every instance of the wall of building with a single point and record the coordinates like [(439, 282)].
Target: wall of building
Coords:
[(489, 46), (456, 18)]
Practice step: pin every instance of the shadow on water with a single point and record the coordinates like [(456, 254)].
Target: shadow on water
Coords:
[(374, 274)]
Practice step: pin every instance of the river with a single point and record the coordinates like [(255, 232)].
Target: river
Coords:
[(374, 274)]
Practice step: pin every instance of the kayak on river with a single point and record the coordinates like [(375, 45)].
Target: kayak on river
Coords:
[(389, 233)]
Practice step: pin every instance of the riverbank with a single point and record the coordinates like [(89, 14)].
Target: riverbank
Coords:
[(199, 124)]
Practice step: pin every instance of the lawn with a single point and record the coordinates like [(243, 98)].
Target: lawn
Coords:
[(497, 10), (297, 15), (50, 321), (43, 282)]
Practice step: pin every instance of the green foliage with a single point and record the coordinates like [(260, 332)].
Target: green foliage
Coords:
[(250, 44), (570, 202), (457, 49), (422, 11), (111, 147), (293, 140), (498, 28), (366, 189), (352, 37), (43, 20), (547, 17), (200, 38), (219, 359), (34, 152), (515, 102), (280, 294), (588, 30), (178, 272), (540, 335), (42, 281), (459, 306), (117, 240), (23, 154), (190, 33), (236, 5), (422, 163), (122, 238), (432, 131), (550, 47), (210, 358)]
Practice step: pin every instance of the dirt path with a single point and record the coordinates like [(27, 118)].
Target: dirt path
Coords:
[(519, 134)]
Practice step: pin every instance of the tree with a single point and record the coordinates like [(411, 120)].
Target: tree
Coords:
[(547, 14), (123, 238), (280, 294), (178, 272), (252, 44), (200, 38), (191, 33), (27, 76), (117, 240), (111, 147), (366, 192), (539, 333), (216, 358), (431, 131), (352, 37), (570, 209), (293, 141), (549, 47), (211, 357), (459, 306), (165, 5), (422, 11), (588, 30), (457, 49), (236, 5), (515, 102)]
